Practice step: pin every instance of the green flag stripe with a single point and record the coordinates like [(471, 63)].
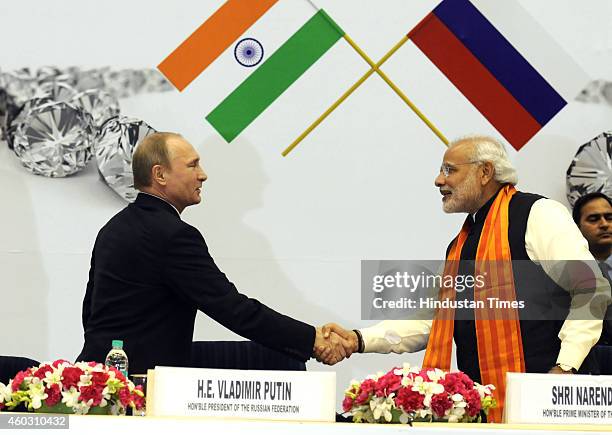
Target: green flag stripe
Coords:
[(275, 75)]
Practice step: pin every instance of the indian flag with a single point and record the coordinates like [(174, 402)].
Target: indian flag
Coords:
[(256, 50)]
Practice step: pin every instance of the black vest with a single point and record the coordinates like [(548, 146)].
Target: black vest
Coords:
[(541, 344)]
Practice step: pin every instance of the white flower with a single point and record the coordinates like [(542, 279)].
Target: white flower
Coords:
[(423, 413), (406, 370), (406, 381), (458, 399), (404, 418), (5, 392), (70, 398), (53, 377), (483, 390), (82, 408), (376, 376), (436, 374), (453, 419), (84, 380), (426, 388), (36, 391), (381, 406)]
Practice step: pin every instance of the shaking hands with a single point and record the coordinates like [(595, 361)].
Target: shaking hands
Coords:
[(333, 343)]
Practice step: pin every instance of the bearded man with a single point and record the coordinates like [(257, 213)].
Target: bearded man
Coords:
[(503, 227)]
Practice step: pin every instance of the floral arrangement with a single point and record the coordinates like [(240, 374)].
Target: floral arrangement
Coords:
[(78, 388), (411, 394)]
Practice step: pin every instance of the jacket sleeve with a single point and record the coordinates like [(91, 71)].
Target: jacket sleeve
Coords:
[(191, 272), (552, 238), (88, 291), (397, 336)]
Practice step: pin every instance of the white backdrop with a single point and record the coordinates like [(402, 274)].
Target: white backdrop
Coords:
[(288, 231)]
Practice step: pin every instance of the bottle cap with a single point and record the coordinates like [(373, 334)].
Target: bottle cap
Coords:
[(118, 344)]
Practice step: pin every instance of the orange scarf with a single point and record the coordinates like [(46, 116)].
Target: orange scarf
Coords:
[(498, 331)]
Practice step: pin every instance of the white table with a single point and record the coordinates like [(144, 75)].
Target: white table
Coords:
[(109, 425)]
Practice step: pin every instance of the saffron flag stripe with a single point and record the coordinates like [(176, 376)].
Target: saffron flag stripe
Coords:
[(474, 81), (211, 39), (275, 75), (498, 55), (536, 45)]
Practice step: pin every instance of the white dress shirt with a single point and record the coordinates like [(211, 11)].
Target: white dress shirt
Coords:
[(551, 235)]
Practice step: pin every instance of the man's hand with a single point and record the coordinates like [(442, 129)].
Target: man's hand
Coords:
[(345, 343), (349, 336), (556, 370), (330, 349)]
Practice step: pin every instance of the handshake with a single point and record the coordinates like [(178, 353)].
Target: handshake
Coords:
[(333, 343)]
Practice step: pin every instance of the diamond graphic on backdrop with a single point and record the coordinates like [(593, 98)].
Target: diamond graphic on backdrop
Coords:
[(598, 91), (248, 52), (17, 115), (56, 91), (19, 84), (591, 169), (55, 140), (123, 83), (156, 81), (5, 100), (116, 142), (100, 104), (54, 74), (88, 79)]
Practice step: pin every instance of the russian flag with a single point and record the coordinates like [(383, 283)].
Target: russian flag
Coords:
[(517, 91)]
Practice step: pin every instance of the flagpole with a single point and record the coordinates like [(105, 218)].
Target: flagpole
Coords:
[(344, 96), (397, 90), (374, 68)]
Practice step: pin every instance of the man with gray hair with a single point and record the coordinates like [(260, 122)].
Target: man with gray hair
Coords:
[(517, 239)]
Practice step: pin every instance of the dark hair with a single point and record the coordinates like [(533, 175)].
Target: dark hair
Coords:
[(583, 200), (150, 151)]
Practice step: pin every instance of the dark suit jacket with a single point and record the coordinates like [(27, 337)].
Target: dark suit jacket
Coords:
[(150, 272)]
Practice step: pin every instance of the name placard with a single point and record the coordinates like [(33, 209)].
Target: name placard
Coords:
[(558, 399), (253, 394)]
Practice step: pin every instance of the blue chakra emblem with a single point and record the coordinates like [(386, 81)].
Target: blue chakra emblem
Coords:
[(248, 52)]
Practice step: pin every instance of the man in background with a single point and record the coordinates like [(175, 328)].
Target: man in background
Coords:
[(151, 271), (593, 215)]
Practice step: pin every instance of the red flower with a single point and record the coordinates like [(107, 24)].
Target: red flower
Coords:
[(40, 373), (124, 396), (57, 362), (118, 374), (1, 405), (53, 395), (139, 402), (92, 363), (366, 388), (347, 404), (457, 382), (423, 374), (92, 392), (99, 378), (440, 403), (388, 384), (473, 401), (18, 379), (409, 400), (71, 376)]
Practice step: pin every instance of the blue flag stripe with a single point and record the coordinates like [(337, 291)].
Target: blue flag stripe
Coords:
[(506, 64)]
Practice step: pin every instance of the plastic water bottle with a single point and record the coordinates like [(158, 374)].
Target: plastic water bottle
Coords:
[(117, 357)]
